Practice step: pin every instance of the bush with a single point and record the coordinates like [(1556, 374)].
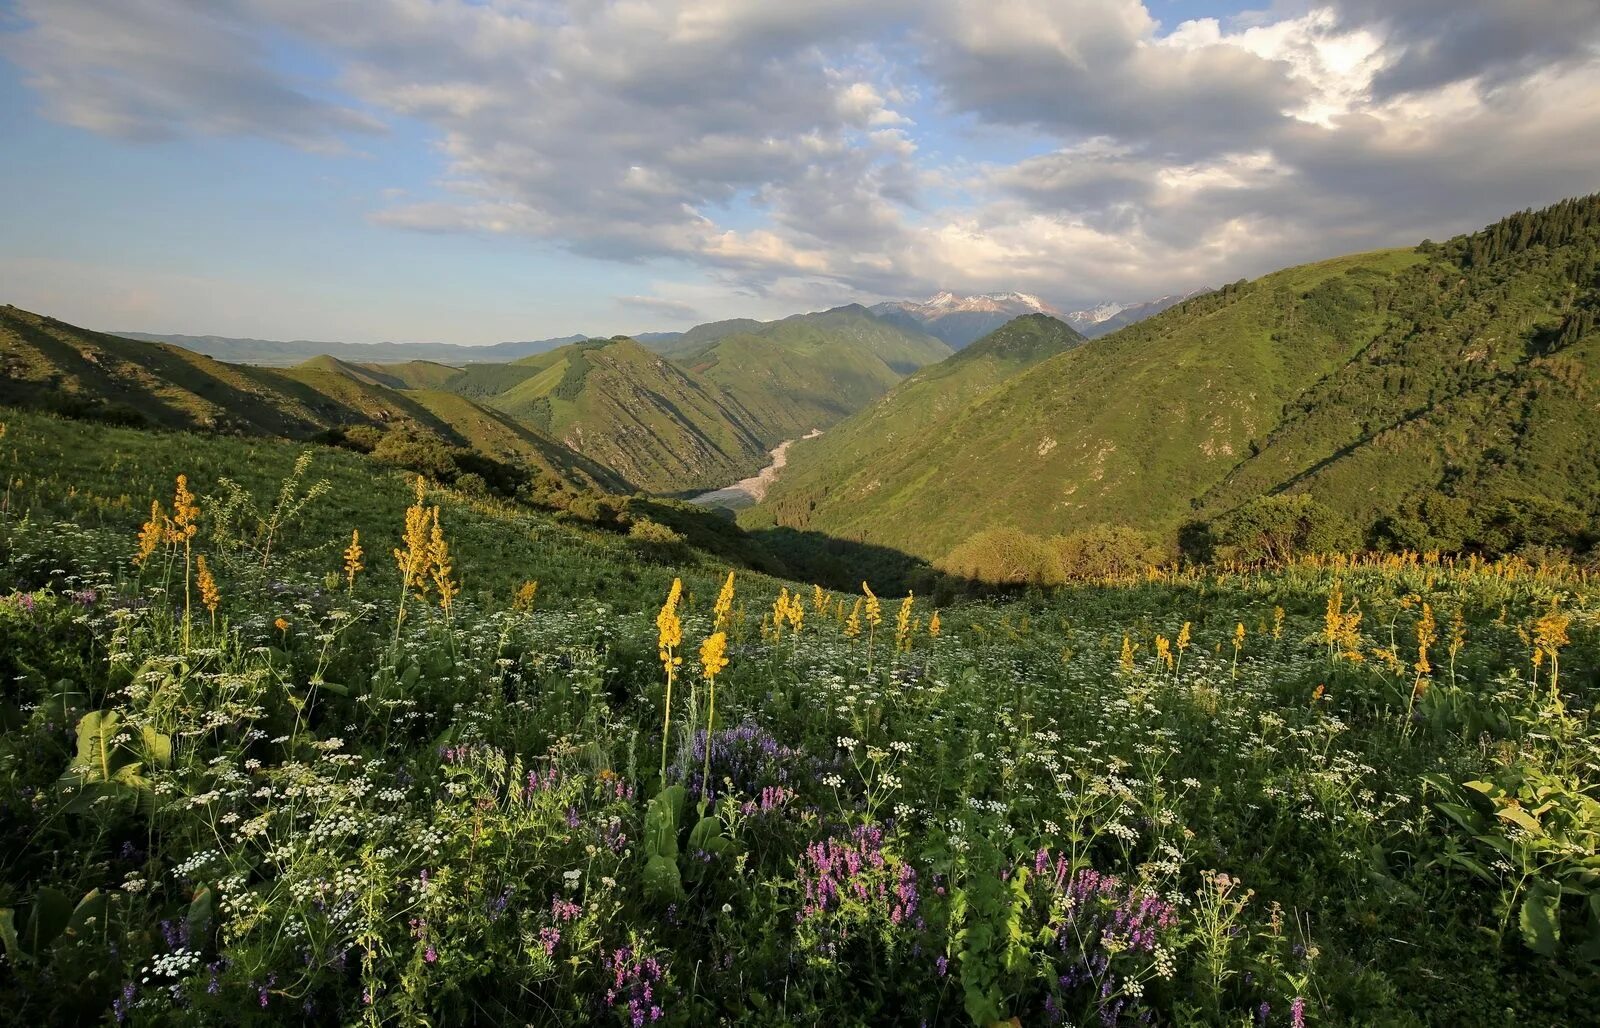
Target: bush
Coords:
[(1107, 551), (425, 456), (646, 531), (1276, 528), (1004, 556)]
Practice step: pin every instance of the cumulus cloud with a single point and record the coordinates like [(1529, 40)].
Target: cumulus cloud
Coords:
[(661, 307), (1433, 43), (154, 69), (813, 152)]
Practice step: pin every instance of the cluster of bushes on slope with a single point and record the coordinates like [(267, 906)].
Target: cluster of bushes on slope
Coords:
[(1277, 529)]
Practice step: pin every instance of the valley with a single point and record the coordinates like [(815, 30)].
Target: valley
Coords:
[(750, 491)]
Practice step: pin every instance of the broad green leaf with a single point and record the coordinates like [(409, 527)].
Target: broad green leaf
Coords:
[(661, 880), (89, 914), (705, 834), (1540, 919), (51, 913), (201, 908), (1520, 818), (8, 935), (157, 747)]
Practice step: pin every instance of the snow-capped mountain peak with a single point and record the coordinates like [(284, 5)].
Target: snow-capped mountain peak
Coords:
[(959, 320), (946, 302), (1098, 313)]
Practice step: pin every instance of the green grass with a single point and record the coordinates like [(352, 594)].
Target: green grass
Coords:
[(312, 809)]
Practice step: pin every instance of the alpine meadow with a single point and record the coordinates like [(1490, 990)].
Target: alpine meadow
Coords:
[(1153, 580)]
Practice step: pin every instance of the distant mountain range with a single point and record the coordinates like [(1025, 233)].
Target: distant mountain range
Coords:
[(1439, 397), (957, 320), (605, 414), (283, 353), (1105, 318), (961, 320), (49, 364)]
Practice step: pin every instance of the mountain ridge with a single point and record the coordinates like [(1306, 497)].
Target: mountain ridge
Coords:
[(1380, 386)]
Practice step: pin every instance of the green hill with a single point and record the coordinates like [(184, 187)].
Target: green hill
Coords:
[(54, 366), (1379, 384), (812, 370), (706, 416), (916, 409), (662, 428)]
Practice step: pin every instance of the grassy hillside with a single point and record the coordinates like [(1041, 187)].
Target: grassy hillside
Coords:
[(662, 428), (1375, 383), (917, 409), (101, 479), (811, 370), (53, 366)]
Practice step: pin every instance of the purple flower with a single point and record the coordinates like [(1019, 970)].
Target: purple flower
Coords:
[(1297, 1012)]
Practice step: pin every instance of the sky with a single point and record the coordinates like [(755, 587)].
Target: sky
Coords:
[(472, 171)]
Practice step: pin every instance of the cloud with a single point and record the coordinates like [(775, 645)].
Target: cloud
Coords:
[(155, 69), (660, 306), (810, 153), (1076, 68), (1434, 43)]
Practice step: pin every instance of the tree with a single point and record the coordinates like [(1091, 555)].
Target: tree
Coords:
[(1276, 528)]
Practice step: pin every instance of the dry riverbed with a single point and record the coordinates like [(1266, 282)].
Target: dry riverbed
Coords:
[(747, 492)]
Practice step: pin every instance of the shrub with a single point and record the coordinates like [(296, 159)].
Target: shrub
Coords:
[(416, 453), (1003, 556), (1107, 551), (1276, 528), (654, 533)]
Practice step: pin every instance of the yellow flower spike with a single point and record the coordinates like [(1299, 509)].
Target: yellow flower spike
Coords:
[(713, 658), (819, 600), (669, 636), (797, 613), (934, 627), (1125, 661), (1427, 632), (1164, 651), (852, 624), (185, 512), (713, 654), (902, 624), (1277, 622), (874, 608), (151, 533), (352, 559), (1333, 617), (439, 565), (1549, 635), (722, 612), (669, 630), (413, 558), (526, 593), (210, 595), (780, 612)]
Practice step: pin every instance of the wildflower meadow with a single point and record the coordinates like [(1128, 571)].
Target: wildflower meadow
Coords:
[(266, 760)]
